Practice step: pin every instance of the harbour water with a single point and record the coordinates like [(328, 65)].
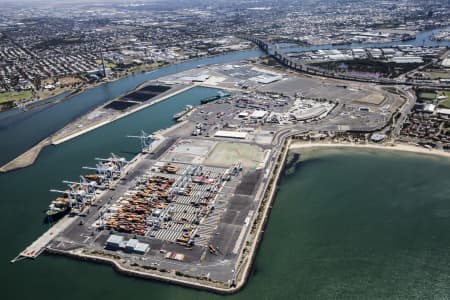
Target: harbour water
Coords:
[(361, 224)]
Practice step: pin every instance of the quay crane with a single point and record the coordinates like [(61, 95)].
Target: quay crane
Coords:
[(78, 196), (145, 140), (119, 162), (75, 201), (109, 166), (103, 170), (92, 179), (91, 186)]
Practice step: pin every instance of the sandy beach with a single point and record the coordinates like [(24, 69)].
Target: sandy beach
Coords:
[(393, 147)]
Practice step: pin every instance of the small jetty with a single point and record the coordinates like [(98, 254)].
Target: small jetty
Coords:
[(39, 245)]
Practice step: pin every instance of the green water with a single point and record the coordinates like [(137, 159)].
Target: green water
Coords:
[(346, 224), (359, 224)]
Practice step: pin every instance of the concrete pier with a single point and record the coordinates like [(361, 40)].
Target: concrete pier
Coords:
[(39, 245)]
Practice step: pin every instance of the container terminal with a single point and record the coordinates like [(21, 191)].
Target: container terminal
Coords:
[(186, 211), (190, 208)]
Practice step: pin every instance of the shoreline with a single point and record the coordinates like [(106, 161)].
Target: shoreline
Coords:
[(394, 147), (27, 158), (121, 269)]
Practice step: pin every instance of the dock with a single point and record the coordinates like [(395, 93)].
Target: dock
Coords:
[(39, 245)]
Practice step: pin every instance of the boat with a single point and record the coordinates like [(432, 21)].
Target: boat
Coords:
[(187, 109), (338, 43), (93, 177), (408, 37), (219, 95), (58, 208), (209, 99)]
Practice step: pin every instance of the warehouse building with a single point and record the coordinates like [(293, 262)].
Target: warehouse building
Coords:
[(258, 114), (231, 134), (116, 242)]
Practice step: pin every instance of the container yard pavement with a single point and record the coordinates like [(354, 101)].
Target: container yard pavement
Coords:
[(222, 228), (227, 153)]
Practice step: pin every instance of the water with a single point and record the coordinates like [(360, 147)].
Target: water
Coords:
[(20, 131), (362, 225), (422, 39), (347, 224)]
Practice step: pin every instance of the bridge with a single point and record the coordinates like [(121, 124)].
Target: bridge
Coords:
[(295, 65)]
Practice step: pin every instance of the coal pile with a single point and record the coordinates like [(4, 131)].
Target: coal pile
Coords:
[(119, 105)]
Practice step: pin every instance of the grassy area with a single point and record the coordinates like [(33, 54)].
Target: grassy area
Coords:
[(445, 93), (44, 94), (445, 103), (107, 64), (14, 96), (433, 95), (427, 95), (110, 65), (146, 67), (436, 74)]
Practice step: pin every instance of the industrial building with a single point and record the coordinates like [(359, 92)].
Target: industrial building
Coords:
[(377, 137), (114, 242), (258, 114), (230, 134), (266, 78), (117, 242), (314, 112)]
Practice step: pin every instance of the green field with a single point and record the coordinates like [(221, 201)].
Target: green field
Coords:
[(445, 93), (445, 103), (436, 75), (110, 65), (427, 95), (14, 96)]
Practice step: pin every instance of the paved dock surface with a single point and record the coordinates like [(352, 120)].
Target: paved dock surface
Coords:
[(38, 246)]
